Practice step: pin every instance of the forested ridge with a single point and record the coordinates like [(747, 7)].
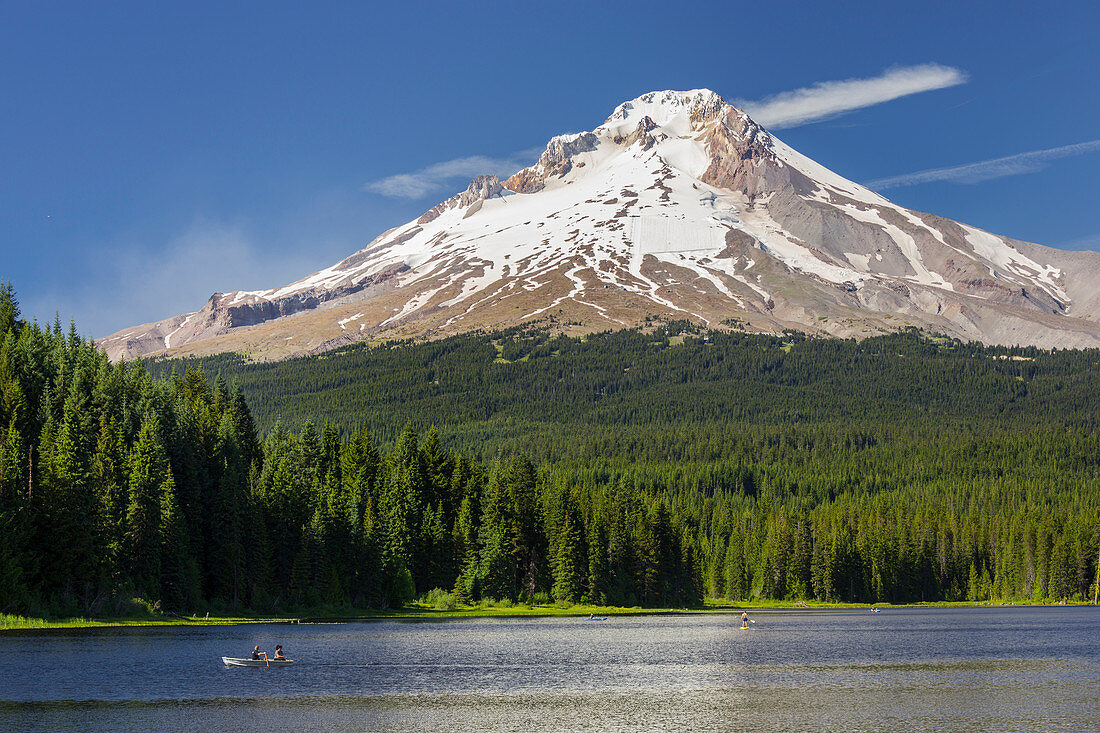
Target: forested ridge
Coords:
[(652, 468), (632, 377)]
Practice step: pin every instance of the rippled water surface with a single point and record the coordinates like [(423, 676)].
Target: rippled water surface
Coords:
[(1003, 669)]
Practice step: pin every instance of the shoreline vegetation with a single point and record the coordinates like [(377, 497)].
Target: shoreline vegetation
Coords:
[(425, 610), (637, 469)]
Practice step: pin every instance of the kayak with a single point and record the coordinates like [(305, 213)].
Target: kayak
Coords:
[(594, 618), (231, 662)]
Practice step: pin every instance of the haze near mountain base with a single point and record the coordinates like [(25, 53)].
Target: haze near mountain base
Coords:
[(677, 206)]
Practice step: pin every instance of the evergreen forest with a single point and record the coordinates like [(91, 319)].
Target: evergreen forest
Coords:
[(654, 467)]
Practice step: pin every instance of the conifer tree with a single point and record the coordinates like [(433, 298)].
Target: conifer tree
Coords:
[(403, 507), (13, 468), (359, 468), (598, 574), (465, 535), (14, 595), (735, 569), (179, 582), (496, 573), (148, 474), (528, 549), (109, 473), (225, 540), (72, 504), (568, 566), (9, 308), (437, 467)]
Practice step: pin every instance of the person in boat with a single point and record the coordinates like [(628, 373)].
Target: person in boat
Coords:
[(744, 619), (256, 653), (279, 653)]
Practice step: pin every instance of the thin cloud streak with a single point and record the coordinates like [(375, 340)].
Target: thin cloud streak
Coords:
[(986, 170), (435, 177), (822, 101), (831, 98), (147, 286)]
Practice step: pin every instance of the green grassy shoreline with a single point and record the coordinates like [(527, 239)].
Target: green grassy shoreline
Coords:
[(423, 611)]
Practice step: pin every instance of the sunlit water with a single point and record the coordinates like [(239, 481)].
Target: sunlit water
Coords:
[(1004, 669)]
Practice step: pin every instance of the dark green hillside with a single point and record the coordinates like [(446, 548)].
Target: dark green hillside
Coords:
[(964, 465), (631, 394), (626, 468)]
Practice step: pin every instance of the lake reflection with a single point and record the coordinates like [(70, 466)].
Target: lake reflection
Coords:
[(942, 669)]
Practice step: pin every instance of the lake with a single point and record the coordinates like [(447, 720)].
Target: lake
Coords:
[(999, 669)]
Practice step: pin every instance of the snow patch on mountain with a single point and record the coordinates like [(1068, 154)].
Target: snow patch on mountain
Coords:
[(679, 201)]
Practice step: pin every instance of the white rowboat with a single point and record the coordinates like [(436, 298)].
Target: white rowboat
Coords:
[(231, 662)]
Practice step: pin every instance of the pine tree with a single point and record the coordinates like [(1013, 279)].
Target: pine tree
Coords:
[(9, 308), (148, 474), (799, 569), (1096, 583), (369, 575), (568, 563), (179, 575), (73, 507), (403, 507), (523, 524), (359, 469), (109, 474), (13, 469), (495, 573), (14, 594), (225, 540), (465, 534), (598, 574), (259, 580), (438, 468), (735, 569)]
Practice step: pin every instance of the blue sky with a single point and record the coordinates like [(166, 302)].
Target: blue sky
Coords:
[(153, 154)]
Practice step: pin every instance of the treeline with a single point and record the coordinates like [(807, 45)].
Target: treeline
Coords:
[(503, 383), (115, 484)]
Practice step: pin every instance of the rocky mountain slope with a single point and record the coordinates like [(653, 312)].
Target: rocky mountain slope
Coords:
[(677, 206)]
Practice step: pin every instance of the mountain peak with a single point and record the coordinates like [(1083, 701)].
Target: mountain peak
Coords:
[(668, 106), (677, 206)]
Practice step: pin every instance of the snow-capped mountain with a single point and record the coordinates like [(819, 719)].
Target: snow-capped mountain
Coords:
[(677, 206)]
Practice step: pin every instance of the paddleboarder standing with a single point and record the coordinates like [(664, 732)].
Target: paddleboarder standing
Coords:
[(744, 619)]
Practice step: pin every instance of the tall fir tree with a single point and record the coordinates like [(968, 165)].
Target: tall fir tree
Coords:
[(149, 471)]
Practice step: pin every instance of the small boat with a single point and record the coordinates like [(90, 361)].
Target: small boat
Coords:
[(595, 618), (231, 662), (874, 610)]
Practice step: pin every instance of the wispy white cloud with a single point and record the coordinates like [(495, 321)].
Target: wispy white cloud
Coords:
[(831, 98), (985, 170), (426, 181), (129, 284), (788, 109)]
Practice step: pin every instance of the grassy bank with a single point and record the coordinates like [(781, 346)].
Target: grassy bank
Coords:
[(428, 610), (11, 622)]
